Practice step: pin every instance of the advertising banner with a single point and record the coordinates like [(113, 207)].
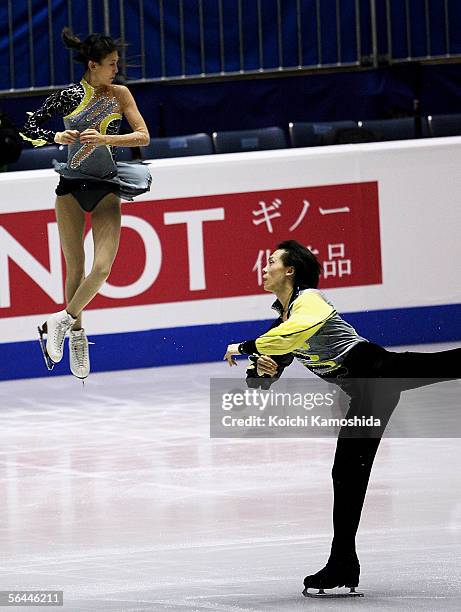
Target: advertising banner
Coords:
[(195, 248), (382, 219)]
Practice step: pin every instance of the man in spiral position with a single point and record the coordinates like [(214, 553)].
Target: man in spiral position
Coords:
[(310, 329)]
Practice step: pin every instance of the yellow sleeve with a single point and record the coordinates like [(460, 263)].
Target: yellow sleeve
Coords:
[(309, 312)]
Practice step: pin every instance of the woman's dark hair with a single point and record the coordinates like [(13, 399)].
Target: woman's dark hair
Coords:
[(306, 265), (95, 47)]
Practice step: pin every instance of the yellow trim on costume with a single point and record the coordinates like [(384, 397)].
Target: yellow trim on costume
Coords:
[(328, 362), (37, 142), (105, 122), (88, 89), (309, 313)]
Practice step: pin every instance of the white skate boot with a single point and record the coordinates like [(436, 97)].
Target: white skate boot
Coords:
[(55, 329), (79, 355)]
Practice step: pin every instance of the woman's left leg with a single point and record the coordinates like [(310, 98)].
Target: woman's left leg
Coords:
[(71, 224), (105, 224)]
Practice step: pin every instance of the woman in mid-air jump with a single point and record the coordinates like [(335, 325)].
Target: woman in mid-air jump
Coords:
[(310, 329), (91, 182)]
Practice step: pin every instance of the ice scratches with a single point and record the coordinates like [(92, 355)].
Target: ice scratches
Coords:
[(455, 519), (119, 497), (198, 603)]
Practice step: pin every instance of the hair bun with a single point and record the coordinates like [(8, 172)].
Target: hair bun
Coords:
[(95, 47), (70, 40)]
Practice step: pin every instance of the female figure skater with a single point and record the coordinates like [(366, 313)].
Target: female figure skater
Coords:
[(310, 329), (91, 182)]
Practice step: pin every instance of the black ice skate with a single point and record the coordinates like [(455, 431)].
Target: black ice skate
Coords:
[(42, 331), (339, 572)]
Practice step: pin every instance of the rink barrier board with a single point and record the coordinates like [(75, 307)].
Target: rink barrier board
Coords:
[(207, 343), (393, 270)]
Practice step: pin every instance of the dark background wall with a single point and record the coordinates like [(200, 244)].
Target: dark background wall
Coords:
[(205, 107), (181, 107)]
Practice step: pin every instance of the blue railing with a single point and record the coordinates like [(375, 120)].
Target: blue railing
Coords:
[(203, 39)]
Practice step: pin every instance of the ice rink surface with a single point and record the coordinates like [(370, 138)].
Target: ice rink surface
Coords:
[(115, 494)]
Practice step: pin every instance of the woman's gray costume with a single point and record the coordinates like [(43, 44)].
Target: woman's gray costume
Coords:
[(90, 172)]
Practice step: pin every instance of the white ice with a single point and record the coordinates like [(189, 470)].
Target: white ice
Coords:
[(115, 494)]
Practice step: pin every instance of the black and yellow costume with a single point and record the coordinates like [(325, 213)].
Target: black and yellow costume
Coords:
[(372, 377)]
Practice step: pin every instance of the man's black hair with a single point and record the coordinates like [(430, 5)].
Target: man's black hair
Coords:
[(306, 265)]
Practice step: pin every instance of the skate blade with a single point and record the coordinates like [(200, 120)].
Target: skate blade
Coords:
[(48, 362), (82, 379), (336, 595)]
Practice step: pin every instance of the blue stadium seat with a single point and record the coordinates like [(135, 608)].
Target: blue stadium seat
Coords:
[(262, 139), (178, 146), (317, 134), (394, 129), (444, 125), (38, 158)]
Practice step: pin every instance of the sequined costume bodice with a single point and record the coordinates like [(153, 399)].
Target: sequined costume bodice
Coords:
[(96, 110), (82, 107)]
